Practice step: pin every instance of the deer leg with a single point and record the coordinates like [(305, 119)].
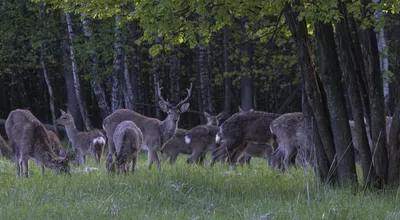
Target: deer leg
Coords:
[(289, 153), (42, 170), (26, 165), (19, 167), (172, 158)]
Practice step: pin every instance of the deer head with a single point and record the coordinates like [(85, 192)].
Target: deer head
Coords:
[(65, 118), (61, 165), (213, 120), (174, 111)]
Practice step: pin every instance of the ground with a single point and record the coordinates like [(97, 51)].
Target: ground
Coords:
[(185, 192)]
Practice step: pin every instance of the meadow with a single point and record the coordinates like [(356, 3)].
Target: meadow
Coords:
[(185, 191)]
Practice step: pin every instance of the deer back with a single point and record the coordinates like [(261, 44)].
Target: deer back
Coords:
[(17, 116), (127, 138), (248, 126), (148, 126), (289, 128)]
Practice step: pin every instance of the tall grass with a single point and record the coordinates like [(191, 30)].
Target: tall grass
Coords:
[(184, 192)]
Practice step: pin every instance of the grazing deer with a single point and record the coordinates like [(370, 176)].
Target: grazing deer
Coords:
[(155, 132), (5, 150), (57, 148), (30, 140), (240, 129), (83, 143), (177, 143), (128, 140)]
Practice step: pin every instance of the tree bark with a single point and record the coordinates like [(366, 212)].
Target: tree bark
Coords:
[(133, 63), (116, 93), (204, 78), (174, 73), (49, 88), (351, 69), (128, 93), (246, 82), (331, 79), (98, 90), (227, 77), (376, 102), (313, 90), (77, 85)]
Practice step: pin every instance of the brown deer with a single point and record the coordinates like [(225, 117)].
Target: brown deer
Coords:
[(5, 150), (83, 143), (57, 148), (177, 143), (240, 129), (155, 132), (128, 140), (30, 140)]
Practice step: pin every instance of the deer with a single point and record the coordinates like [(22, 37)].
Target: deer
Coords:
[(83, 143), (128, 140), (30, 140), (57, 148), (5, 150), (291, 137), (155, 132), (240, 129), (177, 144)]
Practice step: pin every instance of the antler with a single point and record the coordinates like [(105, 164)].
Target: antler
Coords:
[(160, 96), (187, 97)]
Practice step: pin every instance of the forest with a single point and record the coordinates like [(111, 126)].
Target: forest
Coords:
[(333, 60)]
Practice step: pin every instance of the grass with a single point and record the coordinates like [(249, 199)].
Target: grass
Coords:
[(184, 192)]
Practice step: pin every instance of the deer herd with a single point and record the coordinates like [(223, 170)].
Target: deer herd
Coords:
[(281, 140)]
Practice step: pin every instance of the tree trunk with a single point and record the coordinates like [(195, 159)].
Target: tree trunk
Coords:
[(49, 88), (227, 77), (246, 83), (313, 90), (204, 79), (384, 62), (133, 63), (98, 90), (331, 79), (72, 102), (128, 93), (77, 84), (175, 73), (351, 69), (376, 101), (116, 93)]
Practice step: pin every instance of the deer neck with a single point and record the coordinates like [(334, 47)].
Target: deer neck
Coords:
[(47, 159), (71, 131), (167, 129)]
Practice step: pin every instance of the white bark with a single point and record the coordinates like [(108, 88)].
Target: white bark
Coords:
[(75, 74)]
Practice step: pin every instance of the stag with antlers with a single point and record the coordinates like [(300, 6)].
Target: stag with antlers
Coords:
[(155, 132)]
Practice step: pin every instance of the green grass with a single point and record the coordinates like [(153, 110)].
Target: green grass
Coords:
[(184, 192)]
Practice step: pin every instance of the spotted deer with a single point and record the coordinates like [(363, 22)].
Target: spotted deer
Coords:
[(30, 140), (83, 143), (240, 129), (128, 140), (155, 132), (177, 144)]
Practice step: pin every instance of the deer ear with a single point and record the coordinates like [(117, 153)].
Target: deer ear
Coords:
[(184, 107), (221, 115), (240, 109), (62, 112), (163, 106), (206, 115)]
